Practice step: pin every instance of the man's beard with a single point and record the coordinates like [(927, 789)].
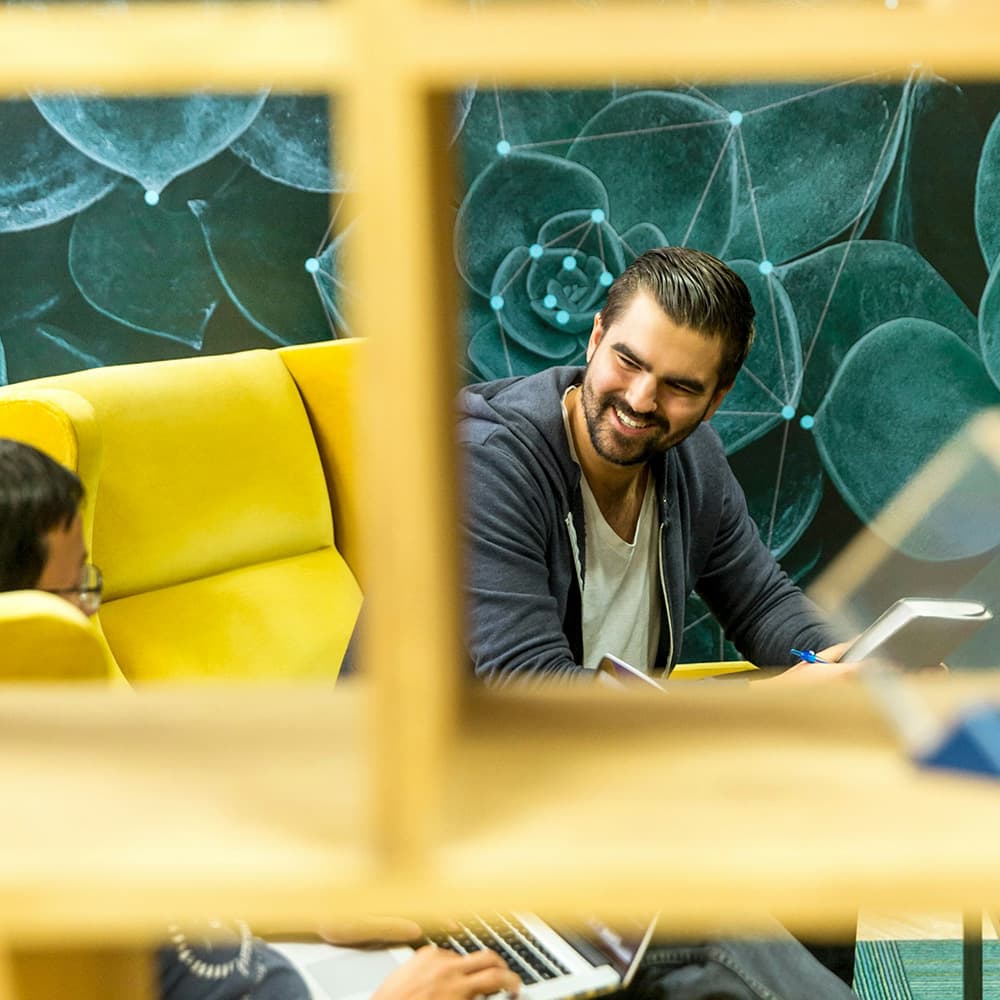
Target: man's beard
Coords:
[(617, 448)]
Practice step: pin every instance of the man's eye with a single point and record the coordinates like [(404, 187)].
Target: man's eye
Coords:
[(678, 389), (627, 362)]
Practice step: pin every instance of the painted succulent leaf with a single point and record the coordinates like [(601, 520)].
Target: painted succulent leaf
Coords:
[(989, 324), (771, 376), (509, 202), (988, 196), (476, 312), (289, 142), (144, 266), (842, 292), (892, 214), (902, 391), (42, 178), (104, 342), (259, 236), (331, 283), (577, 294), (202, 182), (463, 106), (667, 159), (782, 477), (543, 120), (30, 354), (641, 237), (936, 183), (152, 139), (578, 231), (811, 164), (703, 640), (493, 354), (526, 320), (35, 278), (229, 330)]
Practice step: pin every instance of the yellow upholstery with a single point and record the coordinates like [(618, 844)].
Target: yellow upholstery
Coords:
[(44, 638), (328, 395), (209, 506)]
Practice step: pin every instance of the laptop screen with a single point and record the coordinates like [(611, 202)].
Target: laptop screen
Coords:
[(621, 945)]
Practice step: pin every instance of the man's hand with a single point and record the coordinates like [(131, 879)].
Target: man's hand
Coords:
[(439, 974), (817, 673)]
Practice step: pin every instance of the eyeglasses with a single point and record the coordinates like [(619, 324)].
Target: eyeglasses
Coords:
[(87, 593)]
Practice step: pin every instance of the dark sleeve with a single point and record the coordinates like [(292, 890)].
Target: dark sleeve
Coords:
[(763, 613), (222, 970), (514, 624)]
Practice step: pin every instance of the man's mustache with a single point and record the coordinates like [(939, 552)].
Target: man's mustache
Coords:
[(642, 418)]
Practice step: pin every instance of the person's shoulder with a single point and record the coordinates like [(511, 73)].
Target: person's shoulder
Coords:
[(701, 462), (525, 406), (703, 444)]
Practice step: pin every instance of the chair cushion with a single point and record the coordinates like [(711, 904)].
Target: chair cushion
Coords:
[(207, 465), (286, 619)]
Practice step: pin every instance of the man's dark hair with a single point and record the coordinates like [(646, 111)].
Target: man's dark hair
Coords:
[(37, 494), (695, 290)]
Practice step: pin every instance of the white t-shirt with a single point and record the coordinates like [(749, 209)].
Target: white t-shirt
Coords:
[(620, 599)]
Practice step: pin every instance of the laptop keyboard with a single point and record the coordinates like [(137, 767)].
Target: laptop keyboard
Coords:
[(510, 939)]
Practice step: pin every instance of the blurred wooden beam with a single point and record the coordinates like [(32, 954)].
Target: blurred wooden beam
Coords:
[(396, 135), (567, 44), (173, 48)]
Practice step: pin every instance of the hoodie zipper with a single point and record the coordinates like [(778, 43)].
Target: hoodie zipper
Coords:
[(666, 604), (575, 547)]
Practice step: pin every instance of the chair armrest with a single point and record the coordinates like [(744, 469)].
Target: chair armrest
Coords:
[(45, 638)]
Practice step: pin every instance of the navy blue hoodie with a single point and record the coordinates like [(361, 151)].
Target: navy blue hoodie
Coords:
[(525, 557)]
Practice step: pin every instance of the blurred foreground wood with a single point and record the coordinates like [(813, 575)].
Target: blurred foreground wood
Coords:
[(123, 812)]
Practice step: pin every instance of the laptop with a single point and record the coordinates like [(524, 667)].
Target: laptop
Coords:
[(587, 961)]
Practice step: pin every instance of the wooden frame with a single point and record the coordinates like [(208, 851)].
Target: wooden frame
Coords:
[(392, 63)]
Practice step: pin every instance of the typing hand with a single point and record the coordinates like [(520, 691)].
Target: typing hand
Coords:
[(439, 974)]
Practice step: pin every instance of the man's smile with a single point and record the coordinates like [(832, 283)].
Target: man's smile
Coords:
[(632, 421)]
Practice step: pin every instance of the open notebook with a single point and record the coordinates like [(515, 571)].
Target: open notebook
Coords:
[(553, 964)]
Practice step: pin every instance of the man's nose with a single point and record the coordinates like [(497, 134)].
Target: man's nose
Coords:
[(641, 393)]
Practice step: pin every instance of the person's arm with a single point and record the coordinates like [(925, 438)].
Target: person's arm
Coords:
[(763, 613), (514, 625), (439, 974), (826, 668)]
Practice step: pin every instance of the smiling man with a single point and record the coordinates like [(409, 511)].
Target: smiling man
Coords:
[(599, 498)]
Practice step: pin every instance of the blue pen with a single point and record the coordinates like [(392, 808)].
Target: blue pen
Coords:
[(808, 655)]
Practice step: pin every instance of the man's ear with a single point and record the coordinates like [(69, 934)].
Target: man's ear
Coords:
[(596, 332), (720, 395)]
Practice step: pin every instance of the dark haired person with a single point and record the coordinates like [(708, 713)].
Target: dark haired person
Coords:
[(598, 498), (41, 537), (42, 548)]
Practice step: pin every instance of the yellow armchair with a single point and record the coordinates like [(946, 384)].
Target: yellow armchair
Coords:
[(44, 638), (213, 485)]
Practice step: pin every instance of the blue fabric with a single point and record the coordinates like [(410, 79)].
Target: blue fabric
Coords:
[(774, 968), (215, 971)]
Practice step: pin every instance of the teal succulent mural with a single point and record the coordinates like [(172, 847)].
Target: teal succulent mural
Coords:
[(863, 215), (868, 356)]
